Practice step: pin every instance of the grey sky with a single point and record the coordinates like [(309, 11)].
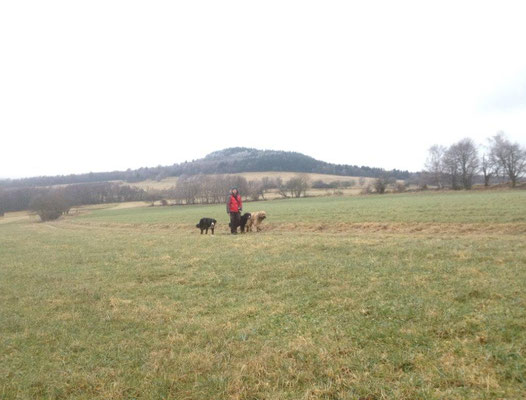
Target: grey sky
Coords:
[(104, 85), (508, 97)]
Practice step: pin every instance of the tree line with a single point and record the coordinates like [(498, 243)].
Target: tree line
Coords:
[(458, 166), (213, 189), (461, 164), (19, 199), (52, 202)]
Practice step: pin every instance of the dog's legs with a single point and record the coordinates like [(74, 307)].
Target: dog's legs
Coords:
[(201, 231), (207, 231)]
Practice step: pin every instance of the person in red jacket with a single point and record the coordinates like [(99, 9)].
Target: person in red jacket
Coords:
[(234, 206)]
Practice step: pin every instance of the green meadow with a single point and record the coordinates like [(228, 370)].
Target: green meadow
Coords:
[(409, 296)]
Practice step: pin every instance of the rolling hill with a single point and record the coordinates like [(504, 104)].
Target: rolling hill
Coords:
[(228, 161)]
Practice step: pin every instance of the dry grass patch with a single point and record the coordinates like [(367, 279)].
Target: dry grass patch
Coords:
[(402, 228)]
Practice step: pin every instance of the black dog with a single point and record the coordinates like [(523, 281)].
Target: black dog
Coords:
[(244, 218), (205, 224), (242, 221)]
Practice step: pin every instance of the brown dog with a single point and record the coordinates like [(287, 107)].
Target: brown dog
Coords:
[(255, 220)]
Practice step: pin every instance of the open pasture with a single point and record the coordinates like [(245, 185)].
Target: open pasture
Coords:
[(414, 296), (169, 182)]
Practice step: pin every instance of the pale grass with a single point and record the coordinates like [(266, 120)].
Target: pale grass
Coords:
[(169, 182)]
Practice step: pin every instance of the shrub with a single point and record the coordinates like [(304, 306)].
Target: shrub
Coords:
[(347, 184), (50, 206), (380, 184), (367, 190), (319, 184), (400, 187)]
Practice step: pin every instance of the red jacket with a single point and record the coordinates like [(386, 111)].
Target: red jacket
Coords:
[(234, 203)]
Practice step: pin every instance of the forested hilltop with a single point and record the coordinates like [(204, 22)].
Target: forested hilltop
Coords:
[(227, 161)]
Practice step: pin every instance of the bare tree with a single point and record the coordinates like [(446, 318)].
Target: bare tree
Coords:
[(451, 169), (282, 188), (267, 184), (187, 189), (381, 183), (468, 160), (461, 162), (255, 190), (509, 157), (207, 189), (298, 185), (488, 168), (219, 188), (153, 195), (435, 165)]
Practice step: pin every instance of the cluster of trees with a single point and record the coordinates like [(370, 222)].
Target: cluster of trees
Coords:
[(228, 161), (207, 189), (51, 203), (212, 189), (459, 165)]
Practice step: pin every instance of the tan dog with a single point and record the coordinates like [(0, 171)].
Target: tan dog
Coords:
[(255, 220)]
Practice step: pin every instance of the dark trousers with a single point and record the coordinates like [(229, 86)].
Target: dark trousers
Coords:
[(235, 221)]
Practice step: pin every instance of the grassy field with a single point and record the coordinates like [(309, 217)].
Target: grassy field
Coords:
[(414, 296)]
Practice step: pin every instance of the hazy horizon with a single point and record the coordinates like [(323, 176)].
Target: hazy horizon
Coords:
[(153, 166), (103, 86)]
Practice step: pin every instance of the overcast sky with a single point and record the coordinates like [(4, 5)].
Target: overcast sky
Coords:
[(104, 85)]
